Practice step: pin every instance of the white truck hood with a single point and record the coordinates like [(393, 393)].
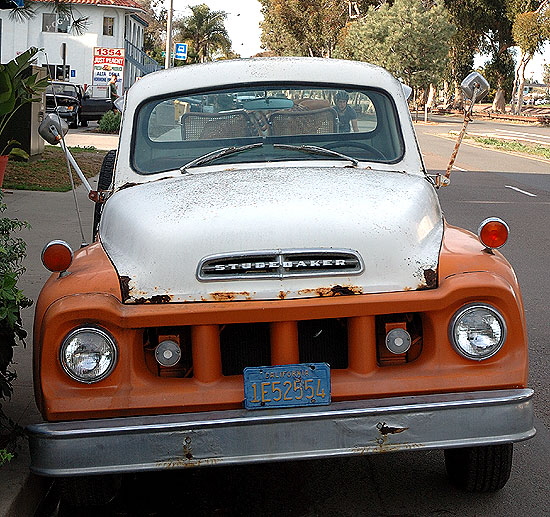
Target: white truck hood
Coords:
[(272, 233)]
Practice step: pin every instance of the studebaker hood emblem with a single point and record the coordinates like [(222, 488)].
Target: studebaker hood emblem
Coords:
[(273, 233), (280, 264)]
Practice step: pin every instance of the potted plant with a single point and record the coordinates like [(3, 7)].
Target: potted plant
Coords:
[(16, 89)]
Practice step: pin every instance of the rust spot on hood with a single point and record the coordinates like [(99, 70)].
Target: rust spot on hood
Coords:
[(335, 290), (159, 298), (229, 296), (430, 276), (125, 287), (283, 294)]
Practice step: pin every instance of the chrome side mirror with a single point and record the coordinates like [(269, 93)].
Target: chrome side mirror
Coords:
[(119, 103), (474, 87), (53, 128)]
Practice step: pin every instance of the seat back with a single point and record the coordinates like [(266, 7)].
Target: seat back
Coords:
[(307, 122), (206, 126)]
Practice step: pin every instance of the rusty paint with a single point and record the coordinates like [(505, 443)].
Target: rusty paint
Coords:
[(178, 463), (125, 287), (283, 294), (159, 298), (229, 296), (431, 278), (407, 288), (335, 290)]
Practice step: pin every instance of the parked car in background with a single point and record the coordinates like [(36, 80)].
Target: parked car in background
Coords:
[(65, 99), (95, 103)]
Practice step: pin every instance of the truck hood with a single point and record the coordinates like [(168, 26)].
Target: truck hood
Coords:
[(273, 233)]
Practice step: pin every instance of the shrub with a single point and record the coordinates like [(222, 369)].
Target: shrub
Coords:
[(110, 122), (12, 300)]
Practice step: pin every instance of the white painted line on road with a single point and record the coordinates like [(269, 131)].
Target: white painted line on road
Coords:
[(538, 135), (522, 191), (505, 202), (459, 169)]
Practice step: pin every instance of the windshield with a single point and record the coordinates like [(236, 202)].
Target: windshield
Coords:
[(62, 89), (171, 132)]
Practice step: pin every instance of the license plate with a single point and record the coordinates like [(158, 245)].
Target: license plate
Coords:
[(289, 385)]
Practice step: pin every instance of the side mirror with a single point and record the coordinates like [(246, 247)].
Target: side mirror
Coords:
[(407, 90), (119, 103), (475, 87), (53, 128)]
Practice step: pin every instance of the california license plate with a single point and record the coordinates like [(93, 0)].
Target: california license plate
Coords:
[(289, 385)]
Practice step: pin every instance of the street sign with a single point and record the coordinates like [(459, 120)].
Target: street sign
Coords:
[(181, 51)]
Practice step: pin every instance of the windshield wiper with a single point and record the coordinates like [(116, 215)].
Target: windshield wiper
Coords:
[(219, 153), (314, 149)]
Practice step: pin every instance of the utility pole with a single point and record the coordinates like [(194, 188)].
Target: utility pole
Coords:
[(168, 57)]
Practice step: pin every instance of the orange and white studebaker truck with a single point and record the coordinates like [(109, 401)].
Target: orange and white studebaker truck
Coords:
[(272, 279)]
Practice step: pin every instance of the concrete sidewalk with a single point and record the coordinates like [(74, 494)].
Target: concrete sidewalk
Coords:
[(52, 215)]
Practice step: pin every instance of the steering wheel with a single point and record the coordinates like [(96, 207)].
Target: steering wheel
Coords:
[(359, 145)]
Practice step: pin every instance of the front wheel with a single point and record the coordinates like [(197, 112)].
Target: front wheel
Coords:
[(480, 469)]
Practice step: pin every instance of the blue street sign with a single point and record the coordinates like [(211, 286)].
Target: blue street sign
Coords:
[(181, 51)]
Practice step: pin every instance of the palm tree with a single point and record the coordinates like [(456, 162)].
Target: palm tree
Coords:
[(206, 32), (61, 7)]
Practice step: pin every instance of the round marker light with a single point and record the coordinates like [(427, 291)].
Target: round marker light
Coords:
[(88, 355), (477, 331), (57, 256), (493, 233), (167, 353), (398, 341)]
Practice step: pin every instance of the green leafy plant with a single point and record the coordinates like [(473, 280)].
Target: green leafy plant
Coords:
[(12, 300), (110, 122), (17, 88)]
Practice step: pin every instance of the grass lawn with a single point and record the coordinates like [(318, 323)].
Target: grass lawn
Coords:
[(49, 171), (517, 147)]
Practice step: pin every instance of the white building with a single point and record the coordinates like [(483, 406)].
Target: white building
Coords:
[(111, 24)]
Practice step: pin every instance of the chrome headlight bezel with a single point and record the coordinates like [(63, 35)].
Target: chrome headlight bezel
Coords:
[(108, 341), (458, 317)]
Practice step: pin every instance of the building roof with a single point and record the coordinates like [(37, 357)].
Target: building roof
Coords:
[(112, 3)]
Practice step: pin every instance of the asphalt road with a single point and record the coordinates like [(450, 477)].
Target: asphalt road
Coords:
[(486, 183)]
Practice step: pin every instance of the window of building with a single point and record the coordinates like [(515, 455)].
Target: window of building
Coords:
[(52, 22), (108, 26)]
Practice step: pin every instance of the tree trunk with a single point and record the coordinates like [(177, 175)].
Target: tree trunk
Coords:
[(525, 58), (499, 104)]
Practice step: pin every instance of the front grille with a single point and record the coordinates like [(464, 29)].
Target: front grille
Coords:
[(280, 264), (212, 351)]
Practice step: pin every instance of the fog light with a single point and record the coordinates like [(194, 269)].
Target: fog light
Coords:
[(167, 353), (477, 331), (88, 355), (398, 341)]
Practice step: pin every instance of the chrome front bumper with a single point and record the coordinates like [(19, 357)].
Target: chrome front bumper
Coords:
[(238, 436)]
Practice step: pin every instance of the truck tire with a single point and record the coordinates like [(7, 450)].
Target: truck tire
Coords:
[(103, 183), (86, 491), (83, 121), (480, 469)]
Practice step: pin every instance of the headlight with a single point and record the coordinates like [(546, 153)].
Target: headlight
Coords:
[(88, 354), (477, 331)]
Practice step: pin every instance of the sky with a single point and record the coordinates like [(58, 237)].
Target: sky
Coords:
[(244, 16), (242, 22)]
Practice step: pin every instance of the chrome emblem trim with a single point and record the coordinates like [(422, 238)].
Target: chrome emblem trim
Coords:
[(280, 263)]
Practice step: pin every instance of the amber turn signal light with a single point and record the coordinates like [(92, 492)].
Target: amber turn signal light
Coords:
[(57, 256), (493, 233)]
